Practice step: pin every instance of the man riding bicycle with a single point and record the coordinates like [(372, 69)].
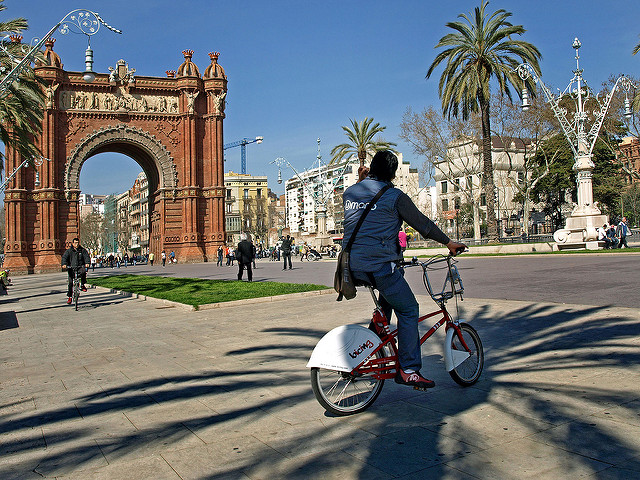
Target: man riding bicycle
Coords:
[(376, 251), (76, 256)]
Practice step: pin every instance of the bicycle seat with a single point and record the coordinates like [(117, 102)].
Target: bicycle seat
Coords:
[(362, 283)]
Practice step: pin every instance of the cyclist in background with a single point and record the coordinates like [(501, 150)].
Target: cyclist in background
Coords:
[(76, 256), (376, 251)]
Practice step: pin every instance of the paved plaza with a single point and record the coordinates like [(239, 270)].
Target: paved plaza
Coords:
[(133, 389)]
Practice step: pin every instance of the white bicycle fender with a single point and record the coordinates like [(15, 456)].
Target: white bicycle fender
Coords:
[(344, 348), (453, 358)]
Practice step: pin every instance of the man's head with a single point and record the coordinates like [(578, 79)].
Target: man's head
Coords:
[(624, 219), (383, 166), (243, 236), (75, 242)]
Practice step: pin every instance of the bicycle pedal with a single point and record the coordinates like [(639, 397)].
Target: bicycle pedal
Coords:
[(422, 389)]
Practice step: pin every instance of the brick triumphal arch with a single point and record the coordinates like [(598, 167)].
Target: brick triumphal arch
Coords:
[(171, 126)]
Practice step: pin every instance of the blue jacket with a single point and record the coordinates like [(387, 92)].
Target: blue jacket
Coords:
[(376, 242)]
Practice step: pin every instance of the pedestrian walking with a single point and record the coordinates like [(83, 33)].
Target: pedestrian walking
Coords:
[(286, 251), (163, 257), (245, 253), (220, 254), (151, 257), (253, 254), (622, 231), (402, 240)]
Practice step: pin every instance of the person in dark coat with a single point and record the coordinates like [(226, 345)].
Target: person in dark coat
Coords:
[(244, 255), (76, 256), (286, 251)]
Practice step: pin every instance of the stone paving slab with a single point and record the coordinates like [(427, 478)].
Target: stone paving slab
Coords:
[(127, 388)]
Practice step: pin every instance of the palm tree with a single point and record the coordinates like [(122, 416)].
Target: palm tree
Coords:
[(361, 141), (481, 48), (21, 105)]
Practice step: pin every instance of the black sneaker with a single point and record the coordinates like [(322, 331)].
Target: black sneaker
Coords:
[(83, 288), (414, 379)]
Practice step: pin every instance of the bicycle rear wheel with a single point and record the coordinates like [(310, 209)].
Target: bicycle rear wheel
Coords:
[(468, 372), (343, 393)]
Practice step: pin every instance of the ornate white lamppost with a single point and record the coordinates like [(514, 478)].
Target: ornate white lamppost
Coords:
[(79, 21), (317, 187), (580, 228)]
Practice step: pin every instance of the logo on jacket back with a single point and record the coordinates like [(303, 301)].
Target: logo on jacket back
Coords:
[(351, 205)]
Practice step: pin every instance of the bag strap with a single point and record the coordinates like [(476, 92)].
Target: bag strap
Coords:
[(364, 214)]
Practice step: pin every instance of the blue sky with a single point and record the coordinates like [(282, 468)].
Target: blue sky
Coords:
[(298, 70)]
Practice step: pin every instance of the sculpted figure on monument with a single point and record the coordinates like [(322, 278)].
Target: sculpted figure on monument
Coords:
[(218, 102), (191, 100), (95, 101), (51, 94), (162, 104)]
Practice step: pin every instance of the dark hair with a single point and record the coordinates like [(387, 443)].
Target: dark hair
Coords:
[(74, 239), (383, 166)]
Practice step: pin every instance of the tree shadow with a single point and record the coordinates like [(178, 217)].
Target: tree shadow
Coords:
[(546, 388), (8, 320)]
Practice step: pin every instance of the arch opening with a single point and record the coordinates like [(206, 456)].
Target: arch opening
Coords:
[(144, 148), (116, 202)]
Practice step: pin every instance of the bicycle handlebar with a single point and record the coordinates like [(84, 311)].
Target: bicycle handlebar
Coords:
[(414, 262)]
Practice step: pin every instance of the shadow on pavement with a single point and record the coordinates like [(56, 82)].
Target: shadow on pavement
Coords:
[(551, 374)]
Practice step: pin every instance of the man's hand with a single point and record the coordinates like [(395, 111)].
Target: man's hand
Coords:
[(64, 267), (87, 265), (362, 173), (456, 248)]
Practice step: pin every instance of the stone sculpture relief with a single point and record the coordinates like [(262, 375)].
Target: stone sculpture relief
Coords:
[(218, 102), (120, 101)]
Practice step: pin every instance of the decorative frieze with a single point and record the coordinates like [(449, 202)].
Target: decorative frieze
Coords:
[(120, 101)]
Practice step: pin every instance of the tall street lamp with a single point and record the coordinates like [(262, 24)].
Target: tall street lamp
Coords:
[(580, 228), (79, 21)]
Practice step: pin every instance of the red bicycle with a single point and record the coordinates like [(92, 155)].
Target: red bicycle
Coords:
[(350, 363)]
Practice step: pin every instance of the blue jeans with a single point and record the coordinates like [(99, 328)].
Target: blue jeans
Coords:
[(396, 294)]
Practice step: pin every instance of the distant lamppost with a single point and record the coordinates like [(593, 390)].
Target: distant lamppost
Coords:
[(580, 228), (80, 21)]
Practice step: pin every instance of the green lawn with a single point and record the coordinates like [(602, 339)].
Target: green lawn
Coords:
[(195, 292)]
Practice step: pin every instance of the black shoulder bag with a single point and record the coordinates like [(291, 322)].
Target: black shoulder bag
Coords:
[(343, 280)]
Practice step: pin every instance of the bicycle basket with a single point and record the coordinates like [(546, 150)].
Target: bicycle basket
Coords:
[(441, 270)]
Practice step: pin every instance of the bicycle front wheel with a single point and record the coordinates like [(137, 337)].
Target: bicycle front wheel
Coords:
[(468, 372), (76, 295), (343, 393)]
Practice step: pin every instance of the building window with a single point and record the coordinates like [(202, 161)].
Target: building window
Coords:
[(483, 200), (445, 205), (456, 185), (259, 193), (245, 194), (229, 193), (443, 187)]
